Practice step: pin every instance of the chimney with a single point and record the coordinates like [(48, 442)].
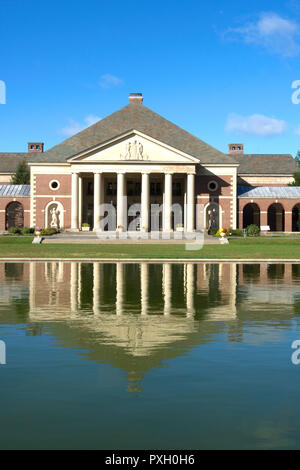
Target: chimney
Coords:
[(35, 147), (136, 98), (236, 149)]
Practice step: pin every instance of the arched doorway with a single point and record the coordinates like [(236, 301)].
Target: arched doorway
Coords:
[(276, 217), (213, 218), (251, 215), (14, 215), (296, 218)]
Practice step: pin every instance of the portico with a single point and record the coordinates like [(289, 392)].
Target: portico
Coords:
[(141, 197)]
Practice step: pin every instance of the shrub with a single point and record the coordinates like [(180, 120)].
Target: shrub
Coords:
[(253, 230), (230, 232), (85, 224), (48, 231), (14, 230), (212, 231), (27, 231)]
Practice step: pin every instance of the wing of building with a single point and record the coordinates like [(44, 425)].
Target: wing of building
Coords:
[(152, 174)]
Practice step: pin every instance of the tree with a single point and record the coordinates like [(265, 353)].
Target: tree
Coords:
[(22, 174), (296, 175)]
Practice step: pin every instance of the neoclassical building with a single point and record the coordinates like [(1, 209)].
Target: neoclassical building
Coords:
[(136, 157)]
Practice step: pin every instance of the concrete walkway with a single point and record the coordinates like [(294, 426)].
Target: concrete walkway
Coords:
[(128, 238)]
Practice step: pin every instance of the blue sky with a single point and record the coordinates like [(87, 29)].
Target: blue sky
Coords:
[(223, 70)]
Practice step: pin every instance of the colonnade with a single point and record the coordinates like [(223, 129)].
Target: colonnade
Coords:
[(76, 207)]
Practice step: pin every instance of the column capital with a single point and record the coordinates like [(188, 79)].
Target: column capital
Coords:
[(98, 172), (169, 173)]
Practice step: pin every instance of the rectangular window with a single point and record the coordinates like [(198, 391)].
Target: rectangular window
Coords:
[(90, 189), (155, 189), (176, 189), (111, 189)]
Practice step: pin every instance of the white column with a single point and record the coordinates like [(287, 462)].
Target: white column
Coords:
[(98, 199), (144, 288), (167, 202), (32, 285), (119, 288), (145, 197), (75, 194), (167, 287), (190, 206), (121, 199), (96, 288), (189, 289), (80, 203), (74, 287)]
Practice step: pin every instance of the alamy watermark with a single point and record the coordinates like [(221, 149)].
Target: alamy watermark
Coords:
[(2, 353), (296, 354), (133, 224), (2, 92)]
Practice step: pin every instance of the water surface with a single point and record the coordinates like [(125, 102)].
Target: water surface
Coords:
[(145, 356)]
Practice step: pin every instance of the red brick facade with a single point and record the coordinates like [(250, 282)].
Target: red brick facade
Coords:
[(43, 194)]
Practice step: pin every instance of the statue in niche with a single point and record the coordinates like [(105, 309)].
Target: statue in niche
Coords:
[(54, 217), (212, 219)]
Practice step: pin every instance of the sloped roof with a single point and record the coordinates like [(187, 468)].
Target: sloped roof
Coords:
[(14, 190), (10, 161), (273, 192), (273, 164), (133, 117)]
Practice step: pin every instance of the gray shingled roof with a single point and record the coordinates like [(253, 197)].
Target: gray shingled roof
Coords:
[(269, 191), (133, 117), (274, 164), (14, 190), (10, 161)]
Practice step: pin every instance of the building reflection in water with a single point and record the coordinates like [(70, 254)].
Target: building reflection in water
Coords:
[(135, 316)]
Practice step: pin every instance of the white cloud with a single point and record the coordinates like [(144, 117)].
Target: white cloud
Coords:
[(270, 31), (74, 127), (91, 119), (256, 124), (297, 130), (107, 81)]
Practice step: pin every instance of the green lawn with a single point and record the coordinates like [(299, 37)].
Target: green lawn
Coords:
[(21, 247)]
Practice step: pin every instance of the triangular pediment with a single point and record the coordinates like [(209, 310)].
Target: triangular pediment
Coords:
[(134, 147)]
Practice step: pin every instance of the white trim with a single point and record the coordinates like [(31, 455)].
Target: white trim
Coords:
[(51, 195), (215, 183), (58, 185), (219, 197), (128, 134)]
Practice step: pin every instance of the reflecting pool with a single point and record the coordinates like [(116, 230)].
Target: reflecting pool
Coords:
[(149, 356)]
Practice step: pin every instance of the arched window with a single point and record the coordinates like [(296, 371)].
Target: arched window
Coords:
[(251, 215), (296, 218), (276, 217), (14, 215)]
